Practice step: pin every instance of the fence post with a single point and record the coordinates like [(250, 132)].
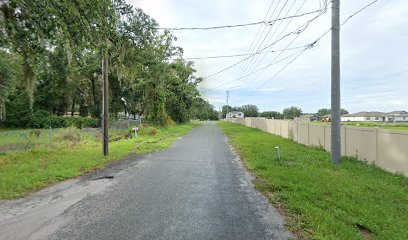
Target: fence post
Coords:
[(324, 136), (287, 122), (345, 140), (297, 131), (376, 145)]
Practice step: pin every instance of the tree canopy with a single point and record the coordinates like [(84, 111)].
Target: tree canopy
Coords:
[(292, 112), (50, 60), (326, 111), (249, 110), (271, 114)]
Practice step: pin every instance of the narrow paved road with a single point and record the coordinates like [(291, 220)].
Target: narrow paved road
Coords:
[(196, 189)]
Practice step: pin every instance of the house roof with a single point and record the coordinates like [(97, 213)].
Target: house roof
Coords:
[(365, 114), (307, 116), (235, 112), (376, 114), (398, 113)]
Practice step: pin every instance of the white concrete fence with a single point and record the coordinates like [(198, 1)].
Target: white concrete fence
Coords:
[(387, 149)]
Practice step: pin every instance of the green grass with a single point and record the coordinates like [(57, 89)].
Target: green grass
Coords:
[(382, 125), (390, 126), (22, 172), (322, 200)]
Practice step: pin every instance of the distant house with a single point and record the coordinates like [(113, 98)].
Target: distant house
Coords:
[(395, 116), (399, 116), (235, 114), (308, 118)]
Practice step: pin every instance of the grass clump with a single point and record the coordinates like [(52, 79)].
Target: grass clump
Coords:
[(351, 200), (22, 171)]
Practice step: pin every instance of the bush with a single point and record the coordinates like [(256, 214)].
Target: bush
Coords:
[(82, 122), (44, 119)]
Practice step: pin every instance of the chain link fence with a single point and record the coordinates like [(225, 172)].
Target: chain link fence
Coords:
[(26, 139)]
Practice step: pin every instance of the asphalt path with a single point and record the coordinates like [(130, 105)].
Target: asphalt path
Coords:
[(196, 189)]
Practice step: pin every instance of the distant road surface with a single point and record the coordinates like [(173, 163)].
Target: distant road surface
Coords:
[(196, 189)]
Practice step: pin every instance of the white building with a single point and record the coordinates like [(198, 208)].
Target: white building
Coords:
[(396, 116), (235, 114), (399, 116)]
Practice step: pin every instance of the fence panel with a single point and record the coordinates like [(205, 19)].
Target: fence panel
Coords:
[(293, 134), (392, 152), (284, 129), (316, 135), (361, 143), (303, 133), (386, 148)]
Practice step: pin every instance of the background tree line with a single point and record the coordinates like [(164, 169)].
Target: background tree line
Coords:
[(50, 64), (287, 113)]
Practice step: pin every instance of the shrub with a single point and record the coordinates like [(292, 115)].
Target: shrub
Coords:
[(44, 119), (70, 135), (82, 122), (153, 132)]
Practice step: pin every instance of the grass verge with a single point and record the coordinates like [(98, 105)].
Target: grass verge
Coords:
[(351, 200), (22, 172), (402, 126)]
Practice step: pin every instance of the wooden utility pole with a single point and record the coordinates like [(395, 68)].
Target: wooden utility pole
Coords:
[(105, 104), (335, 84)]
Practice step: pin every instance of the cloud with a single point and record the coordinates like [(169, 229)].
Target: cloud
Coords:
[(374, 63)]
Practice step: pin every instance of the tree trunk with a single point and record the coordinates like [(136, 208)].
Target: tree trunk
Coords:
[(29, 77), (73, 105)]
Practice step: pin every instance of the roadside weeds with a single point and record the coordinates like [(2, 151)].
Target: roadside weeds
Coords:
[(352, 200)]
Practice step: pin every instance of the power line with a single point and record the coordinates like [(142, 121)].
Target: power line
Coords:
[(360, 10), (314, 44), (239, 55), (287, 25), (273, 63), (301, 52), (256, 39), (238, 25), (323, 10), (243, 60), (280, 70), (297, 31), (243, 69)]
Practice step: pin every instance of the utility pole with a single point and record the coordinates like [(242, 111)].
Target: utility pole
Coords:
[(105, 105), (335, 83), (220, 113), (227, 105)]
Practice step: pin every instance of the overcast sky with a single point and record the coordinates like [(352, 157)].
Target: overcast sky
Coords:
[(374, 52)]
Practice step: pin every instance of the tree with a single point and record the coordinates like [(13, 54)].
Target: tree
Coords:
[(271, 114), (292, 112), (203, 110), (59, 46), (325, 111), (249, 110), (9, 70)]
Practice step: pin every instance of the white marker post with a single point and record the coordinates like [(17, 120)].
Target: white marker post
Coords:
[(136, 129), (277, 153)]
